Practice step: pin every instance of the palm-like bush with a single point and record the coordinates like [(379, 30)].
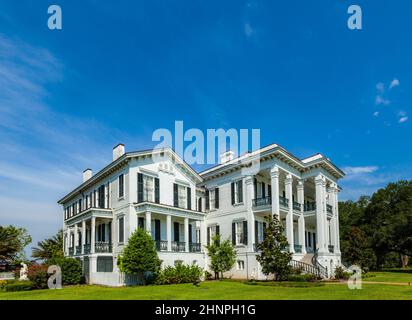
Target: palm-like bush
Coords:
[(49, 249)]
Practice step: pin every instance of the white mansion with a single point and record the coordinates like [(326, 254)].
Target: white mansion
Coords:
[(183, 210)]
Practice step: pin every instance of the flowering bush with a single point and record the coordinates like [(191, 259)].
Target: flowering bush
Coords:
[(37, 273), (180, 274)]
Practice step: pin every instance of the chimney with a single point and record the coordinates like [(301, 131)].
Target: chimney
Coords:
[(227, 156), (87, 174), (118, 151)]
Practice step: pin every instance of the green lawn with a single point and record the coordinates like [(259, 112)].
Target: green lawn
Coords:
[(216, 290)]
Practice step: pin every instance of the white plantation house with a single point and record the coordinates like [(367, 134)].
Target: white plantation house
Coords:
[(183, 210)]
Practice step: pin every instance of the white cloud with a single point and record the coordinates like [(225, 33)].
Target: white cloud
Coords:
[(376, 113), (403, 119), (359, 170), (380, 100), (395, 83), (380, 87)]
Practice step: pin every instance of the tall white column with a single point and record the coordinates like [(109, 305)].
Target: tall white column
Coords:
[(250, 214), (274, 180), (187, 234), (76, 238), (289, 217), (331, 198), (203, 234), (336, 215), (169, 232), (69, 244), (301, 221), (149, 222), (93, 235), (83, 235), (320, 214)]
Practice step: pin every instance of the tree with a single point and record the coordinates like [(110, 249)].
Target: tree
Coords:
[(389, 219), (274, 257), (49, 249), (12, 243), (139, 256), (222, 255), (357, 249)]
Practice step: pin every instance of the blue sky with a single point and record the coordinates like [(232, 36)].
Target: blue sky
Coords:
[(121, 69)]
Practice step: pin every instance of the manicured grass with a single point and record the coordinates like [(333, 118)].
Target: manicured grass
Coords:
[(216, 290), (389, 277)]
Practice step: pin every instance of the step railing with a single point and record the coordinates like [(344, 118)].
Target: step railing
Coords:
[(323, 271), (305, 267)]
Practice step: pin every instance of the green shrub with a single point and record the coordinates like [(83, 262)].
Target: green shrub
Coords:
[(341, 274), (37, 274), (179, 274), (18, 286), (71, 271), (302, 277)]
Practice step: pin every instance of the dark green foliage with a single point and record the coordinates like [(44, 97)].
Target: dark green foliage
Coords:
[(16, 286), (12, 243), (139, 256), (340, 273), (274, 257), (71, 271), (49, 249), (181, 273), (302, 277), (375, 232), (222, 256)]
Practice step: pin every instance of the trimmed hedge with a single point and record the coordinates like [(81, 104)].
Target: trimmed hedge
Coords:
[(302, 278), (180, 274), (18, 286)]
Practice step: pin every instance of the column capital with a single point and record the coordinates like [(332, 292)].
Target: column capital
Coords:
[(249, 179), (288, 179), (300, 184), (320, 179), (274, 172)]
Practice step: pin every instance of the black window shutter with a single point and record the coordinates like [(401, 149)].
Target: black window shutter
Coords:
[(208, 236), (140, 222), (139, 187), (263, 190), (234, 233), (216, 198), (190, 234), (189, 198), (256, 232), (175, 195), (269, 190), (157, 230), (199, 206), (233, 193), (207, 205), (157, 190), (245, 232), (255, 187), (240, 190), (176, 231), (218, 232), (121, 185)]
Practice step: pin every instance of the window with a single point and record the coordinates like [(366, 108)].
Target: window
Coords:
[(214, 199), (211, 232), (239, 233), (237, 192), (260, 231), (240, 265), (104, 264), (121, 186), (121, 229), (182, 196), (101, 197), (148, 188)]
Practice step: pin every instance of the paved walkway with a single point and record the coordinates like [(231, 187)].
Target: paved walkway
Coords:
[(375, 282)]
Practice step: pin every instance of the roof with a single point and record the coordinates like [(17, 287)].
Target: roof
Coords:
[(124, 159), (275, 150)]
